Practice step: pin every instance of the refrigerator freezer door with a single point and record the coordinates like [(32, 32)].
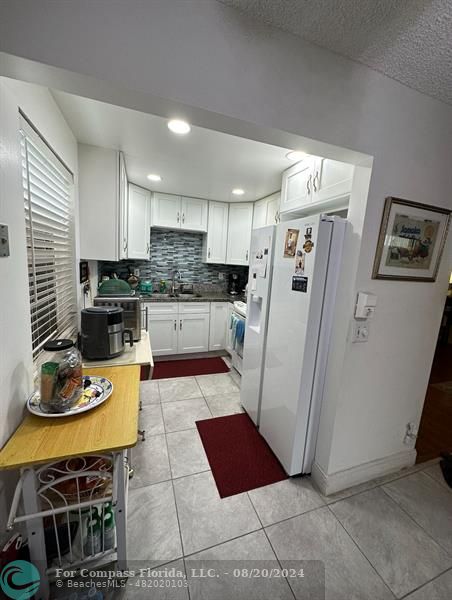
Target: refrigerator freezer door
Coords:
[(259, 285), (300, 264)]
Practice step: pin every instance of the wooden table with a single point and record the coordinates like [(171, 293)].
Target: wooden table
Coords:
[(110, 429)]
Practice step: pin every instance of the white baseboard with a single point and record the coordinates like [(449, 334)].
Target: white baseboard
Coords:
[(336, 482)]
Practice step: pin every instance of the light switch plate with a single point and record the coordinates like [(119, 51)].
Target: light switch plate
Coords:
[(4, 241), (360, 331)]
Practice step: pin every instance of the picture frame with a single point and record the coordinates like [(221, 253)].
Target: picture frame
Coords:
[(411, 241)]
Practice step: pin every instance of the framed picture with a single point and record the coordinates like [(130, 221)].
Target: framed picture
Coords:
[(411, 241)]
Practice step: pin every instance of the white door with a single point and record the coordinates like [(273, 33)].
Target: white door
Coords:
[(217, 233), (193, 332), (332, 179), (139, 219), (297, 185), (260, 213), (218, 325), (163, 330), (166, 210), (194, 214), (273, 208), (123, 209), (239, 233)]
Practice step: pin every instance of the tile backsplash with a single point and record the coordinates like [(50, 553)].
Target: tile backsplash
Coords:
[(175, 250)]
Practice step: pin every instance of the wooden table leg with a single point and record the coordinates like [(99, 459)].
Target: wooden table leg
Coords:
[(35, 531)]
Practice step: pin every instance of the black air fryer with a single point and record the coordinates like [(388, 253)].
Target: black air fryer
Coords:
[(103, 333)]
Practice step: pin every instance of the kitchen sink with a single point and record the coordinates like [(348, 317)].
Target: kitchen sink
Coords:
[(176, 295)]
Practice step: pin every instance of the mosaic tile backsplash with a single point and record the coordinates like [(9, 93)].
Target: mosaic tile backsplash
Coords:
[(176, 250)]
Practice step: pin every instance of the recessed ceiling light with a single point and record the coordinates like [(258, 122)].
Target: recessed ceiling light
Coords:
[(178, 126), (238, 192), (296, 155), (154, 177)]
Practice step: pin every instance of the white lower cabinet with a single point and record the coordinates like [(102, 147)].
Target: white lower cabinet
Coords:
[(163, 333), (230, 310), (218, 325), (193, 333), (187, 327)]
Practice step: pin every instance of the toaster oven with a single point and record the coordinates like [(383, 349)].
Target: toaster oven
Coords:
[(131, 306)]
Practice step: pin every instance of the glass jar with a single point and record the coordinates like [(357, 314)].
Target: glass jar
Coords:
[(61, 382)]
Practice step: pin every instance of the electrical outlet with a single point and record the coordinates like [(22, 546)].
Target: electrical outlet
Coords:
[(360, 331), (220, 276), (136, 272)]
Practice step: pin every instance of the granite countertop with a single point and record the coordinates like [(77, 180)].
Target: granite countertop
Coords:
[(200, 297)]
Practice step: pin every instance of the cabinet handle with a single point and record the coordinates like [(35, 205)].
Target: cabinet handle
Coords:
[(246, 255), (208, 254), (126, 245), (147, 319), (313, 183), (183, 217), (307, 184), (178, 217), (180, 325), (317, 176), (175, 325)]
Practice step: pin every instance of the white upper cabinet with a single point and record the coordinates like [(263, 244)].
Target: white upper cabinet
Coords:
[(102, 202), (123, 208), (194, 214), (273, 203), (166, 210), (179, 212), (214, 244), (260, 213), (239, 233), (315, 181), (139, 222), (266, 211), (331, 179), (297, 187)]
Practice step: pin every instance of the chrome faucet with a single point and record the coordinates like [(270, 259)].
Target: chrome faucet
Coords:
[(176, 275)]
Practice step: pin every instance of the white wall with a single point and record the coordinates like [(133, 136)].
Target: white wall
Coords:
[(202, 54), (16, 366)]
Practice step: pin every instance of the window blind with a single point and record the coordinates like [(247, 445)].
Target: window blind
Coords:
[(49, 224)]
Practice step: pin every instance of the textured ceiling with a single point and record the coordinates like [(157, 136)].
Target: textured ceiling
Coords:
[(408, 40)]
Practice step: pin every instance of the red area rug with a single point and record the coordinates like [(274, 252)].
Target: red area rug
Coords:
[(240, 458), (187, 368)]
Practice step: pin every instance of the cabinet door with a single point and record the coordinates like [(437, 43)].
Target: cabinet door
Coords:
[(193, 333), (214, 250), (332, 179), (273, 209), (297, 186), (260, 213), (230, 309), (98, 203), (139, 216), (194, 214), (166, 210), (163, 330), (123, 208), (218, 325), (239, 233)]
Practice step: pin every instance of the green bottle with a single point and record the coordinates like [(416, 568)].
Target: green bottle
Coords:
[(109, 526)]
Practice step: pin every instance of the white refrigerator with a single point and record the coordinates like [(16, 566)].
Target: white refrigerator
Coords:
[(305, 266), (258, 302)]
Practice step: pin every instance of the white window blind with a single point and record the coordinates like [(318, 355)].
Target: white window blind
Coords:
[(49, 223)]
